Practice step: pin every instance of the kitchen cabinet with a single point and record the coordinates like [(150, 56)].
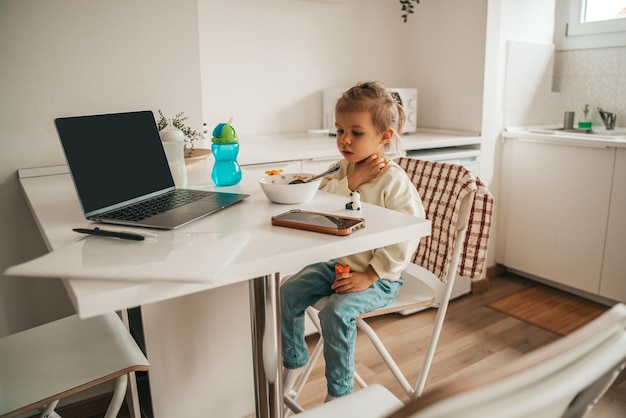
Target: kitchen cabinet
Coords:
[(555, 200), (613, 279)]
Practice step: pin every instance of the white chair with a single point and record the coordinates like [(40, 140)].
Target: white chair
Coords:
[(42, 365), (562, 379), (455, 200)]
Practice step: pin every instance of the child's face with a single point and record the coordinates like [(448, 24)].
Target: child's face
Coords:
[(357, 138)]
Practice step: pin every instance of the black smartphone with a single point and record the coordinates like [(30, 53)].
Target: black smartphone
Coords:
[(318, 222)]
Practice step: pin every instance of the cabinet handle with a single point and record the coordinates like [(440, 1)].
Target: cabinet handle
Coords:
[(333, 158), (262, 165), (565, 142)]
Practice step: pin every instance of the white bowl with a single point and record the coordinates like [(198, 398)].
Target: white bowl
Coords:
[(278, 190)]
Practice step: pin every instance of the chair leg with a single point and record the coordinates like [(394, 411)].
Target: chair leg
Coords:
[(441, 314), (384, 353), (48, 411), (118, 397), (432, 346), (291, 405), (317, 351), (360, 380)]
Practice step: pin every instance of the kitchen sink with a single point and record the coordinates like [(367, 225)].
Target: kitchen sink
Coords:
[(595, 132)]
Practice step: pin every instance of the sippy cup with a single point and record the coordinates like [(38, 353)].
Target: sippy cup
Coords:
[(225, 147)]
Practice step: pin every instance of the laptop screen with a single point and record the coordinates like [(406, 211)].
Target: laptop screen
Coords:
[(114, 158)]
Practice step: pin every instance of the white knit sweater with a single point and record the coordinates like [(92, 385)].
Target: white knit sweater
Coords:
[(391, 189)]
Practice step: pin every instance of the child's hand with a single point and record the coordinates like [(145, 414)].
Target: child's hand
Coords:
[(348, 282), (366, 170)]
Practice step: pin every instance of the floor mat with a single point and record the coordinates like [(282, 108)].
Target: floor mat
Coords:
[(549, 308)]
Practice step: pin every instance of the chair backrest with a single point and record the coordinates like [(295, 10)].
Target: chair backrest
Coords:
[(443, 188), (562, 379)]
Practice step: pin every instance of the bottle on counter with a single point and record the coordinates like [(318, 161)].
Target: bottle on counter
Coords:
[(173, 140), (225, 147)]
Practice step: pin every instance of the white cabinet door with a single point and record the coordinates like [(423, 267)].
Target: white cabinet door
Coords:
[(554, 210), (613, 281)]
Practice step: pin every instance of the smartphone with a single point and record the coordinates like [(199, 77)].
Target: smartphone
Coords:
[(318, 222)]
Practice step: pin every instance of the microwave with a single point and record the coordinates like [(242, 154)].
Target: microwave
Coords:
[(406, 96)]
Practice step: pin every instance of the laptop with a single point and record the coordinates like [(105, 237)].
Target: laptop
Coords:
[(121, 174)]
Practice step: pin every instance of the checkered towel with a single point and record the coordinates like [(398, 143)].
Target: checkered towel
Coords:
[(442, 187)]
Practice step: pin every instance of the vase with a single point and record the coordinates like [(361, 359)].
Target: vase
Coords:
[(173, 140)]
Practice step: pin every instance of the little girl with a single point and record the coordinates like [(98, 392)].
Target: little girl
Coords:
[(368, 120)]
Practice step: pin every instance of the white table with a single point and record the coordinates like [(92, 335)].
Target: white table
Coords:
[(269, 250)]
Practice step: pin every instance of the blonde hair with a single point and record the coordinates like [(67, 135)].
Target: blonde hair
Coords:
[(374, 98)]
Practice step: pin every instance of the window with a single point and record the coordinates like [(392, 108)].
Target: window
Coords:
[(590, 24), (598, 10)]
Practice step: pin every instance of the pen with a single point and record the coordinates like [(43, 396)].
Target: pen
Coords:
[(143, 234), (115, 234)]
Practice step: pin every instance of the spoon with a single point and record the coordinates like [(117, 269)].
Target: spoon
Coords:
[(331, 170)]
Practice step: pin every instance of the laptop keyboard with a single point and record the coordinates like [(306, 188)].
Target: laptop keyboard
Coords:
[(156, 205)]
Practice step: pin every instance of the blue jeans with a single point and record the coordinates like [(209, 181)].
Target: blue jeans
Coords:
[(337, 318)]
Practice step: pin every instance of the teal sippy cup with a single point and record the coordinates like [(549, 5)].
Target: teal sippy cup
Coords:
[(225, 147)]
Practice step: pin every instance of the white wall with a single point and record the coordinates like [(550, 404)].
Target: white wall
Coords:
[(445, 55), (69, 57), (265, 63)]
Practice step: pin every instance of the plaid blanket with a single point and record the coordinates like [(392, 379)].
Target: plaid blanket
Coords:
[(442, 186)]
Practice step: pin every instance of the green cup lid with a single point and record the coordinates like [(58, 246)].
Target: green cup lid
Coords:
[(224, 133)]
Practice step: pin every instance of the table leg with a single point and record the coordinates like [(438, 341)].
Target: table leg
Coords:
[(266, 348)]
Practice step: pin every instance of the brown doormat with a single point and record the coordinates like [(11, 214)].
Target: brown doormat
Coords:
[(548, 308)]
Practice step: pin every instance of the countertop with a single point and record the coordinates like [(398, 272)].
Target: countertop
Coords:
[(552, 134)]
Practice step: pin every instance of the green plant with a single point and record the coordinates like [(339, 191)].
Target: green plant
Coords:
[(407, 8), (178, 121)]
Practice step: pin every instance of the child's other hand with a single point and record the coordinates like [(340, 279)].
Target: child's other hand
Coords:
[(366, 170)]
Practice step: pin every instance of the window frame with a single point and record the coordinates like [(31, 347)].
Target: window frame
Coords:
[(571, 33)]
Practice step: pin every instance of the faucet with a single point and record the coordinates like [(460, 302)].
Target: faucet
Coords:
[(608, 118)]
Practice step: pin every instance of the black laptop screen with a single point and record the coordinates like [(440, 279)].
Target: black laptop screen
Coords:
[(114, 158)]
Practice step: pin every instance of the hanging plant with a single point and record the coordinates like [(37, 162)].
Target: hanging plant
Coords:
[(407, 8)]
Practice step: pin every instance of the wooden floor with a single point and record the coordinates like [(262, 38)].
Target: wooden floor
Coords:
[(474, 338)]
